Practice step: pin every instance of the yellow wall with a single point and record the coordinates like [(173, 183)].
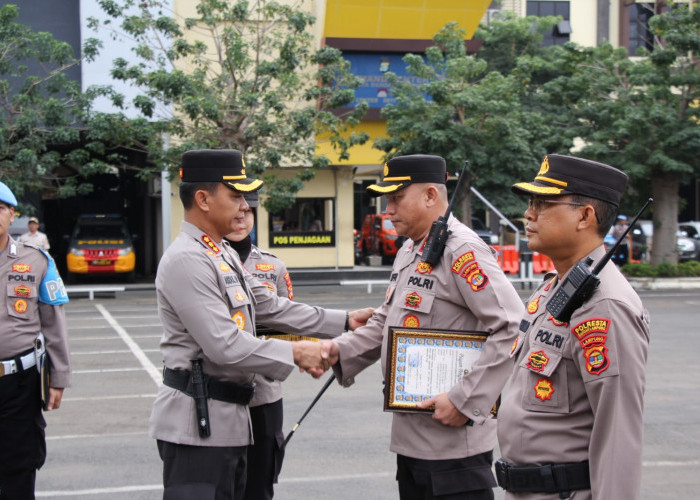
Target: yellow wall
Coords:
[(335, 182), (359, 155), (402, 19)]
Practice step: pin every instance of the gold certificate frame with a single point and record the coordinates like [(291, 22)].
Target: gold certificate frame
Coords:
[(423, 363)]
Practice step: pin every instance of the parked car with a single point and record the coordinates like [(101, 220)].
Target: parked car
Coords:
[(484, 232), (378, 237), (100, 244), (639, 245)]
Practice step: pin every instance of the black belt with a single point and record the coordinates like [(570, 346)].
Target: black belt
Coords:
[(549, 478), (229, 392)]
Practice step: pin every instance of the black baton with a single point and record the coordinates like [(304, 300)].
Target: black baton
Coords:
[(199, 390), (318, 396)]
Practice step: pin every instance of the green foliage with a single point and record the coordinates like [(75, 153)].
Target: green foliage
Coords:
[(242, 75), (466, 113), (689, 268), (50, 140)]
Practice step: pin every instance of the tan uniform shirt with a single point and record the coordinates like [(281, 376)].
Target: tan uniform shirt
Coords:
[(466, 290), (32, 303), (209, 305), (577, 389), (272, 273), (37, 239)]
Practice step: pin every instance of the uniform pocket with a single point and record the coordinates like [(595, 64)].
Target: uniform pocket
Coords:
[(21, 300), (546, 393)]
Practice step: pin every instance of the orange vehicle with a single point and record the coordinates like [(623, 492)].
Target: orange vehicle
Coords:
[(378, 237)]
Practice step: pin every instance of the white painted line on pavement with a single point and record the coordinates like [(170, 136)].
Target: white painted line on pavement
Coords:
[(93, 436), (155, 374), (111, 351), (106, 398), (108, 370), (156, 487), (99, 491), (89, 327), (112, 337), (685, 463)]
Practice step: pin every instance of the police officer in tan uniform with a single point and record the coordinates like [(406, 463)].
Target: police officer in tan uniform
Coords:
[(266, 411), (31, 304), (446, 455), (35, 237), (209, 306), (570, 425)]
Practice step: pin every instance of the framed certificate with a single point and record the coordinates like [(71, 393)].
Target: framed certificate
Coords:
[(424, 363)]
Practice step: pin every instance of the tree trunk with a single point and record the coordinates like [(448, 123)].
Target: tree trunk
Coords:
[(664, 188)]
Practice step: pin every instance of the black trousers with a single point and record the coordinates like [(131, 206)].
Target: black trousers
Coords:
[(22, 439), (266, 454), (467, 478), (202, 472)]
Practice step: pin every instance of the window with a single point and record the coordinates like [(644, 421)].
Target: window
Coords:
[(307, 223), (561, 32), (639, 34)]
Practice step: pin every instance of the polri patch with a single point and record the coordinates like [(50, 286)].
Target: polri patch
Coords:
[(544, 389), (411, 321)]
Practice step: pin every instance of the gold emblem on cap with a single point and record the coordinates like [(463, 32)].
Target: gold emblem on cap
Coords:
[(386, 169), (544, 168), (243, 161)]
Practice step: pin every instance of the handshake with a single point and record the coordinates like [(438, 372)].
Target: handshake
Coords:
[(316, 357)]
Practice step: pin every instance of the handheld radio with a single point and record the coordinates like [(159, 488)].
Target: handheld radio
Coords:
[(582, 281), (437, 237)]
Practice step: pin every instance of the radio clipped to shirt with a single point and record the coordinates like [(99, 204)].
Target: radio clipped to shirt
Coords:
[(43, 366), (582, 281)]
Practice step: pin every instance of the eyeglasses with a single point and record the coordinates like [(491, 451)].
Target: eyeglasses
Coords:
[(538, 204)]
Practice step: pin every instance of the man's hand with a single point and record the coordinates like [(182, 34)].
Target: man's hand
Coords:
[(329, 354), (359, 317), (308, 357), (55, 396), (445, 412)]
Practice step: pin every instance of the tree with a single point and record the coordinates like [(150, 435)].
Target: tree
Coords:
[(242, 75), (51, 142), (466, 113), (641, 114)]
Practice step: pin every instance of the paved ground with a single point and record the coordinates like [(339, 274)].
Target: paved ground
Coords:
[(98, 447)]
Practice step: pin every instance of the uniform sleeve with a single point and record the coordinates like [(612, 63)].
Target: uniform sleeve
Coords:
[(360, 348), (296, 318), (490, 296), (52, 296), (613, 345), (192, 290)]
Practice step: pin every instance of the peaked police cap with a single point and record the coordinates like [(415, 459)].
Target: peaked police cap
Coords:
[(218, 165), (561, 174), (401, 171)]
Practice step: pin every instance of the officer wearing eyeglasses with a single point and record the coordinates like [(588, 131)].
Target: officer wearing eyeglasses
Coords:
[(570, 424)]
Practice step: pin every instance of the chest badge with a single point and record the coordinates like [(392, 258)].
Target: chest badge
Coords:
[(413, 300), (264, 267), (239, 319), (544, 389), (20, 306), (21, 268), (537, 361), (533, 305), (22, 291), (411, 321), (224, 267), (424, 268)]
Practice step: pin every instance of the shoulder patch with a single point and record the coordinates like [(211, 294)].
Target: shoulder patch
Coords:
[(52, 291), (593, 325), (459, 263)]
